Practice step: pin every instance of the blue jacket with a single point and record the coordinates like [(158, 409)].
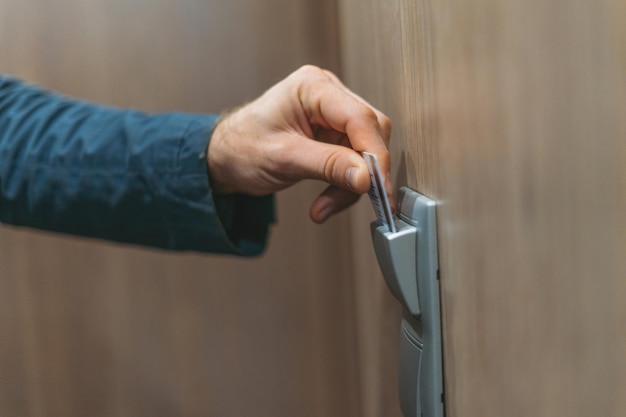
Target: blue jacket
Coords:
[(75, 167)]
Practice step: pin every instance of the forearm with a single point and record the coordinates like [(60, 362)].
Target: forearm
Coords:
[(121, 175)]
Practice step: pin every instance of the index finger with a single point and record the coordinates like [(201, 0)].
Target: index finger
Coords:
[(383, 120), (327, 104)]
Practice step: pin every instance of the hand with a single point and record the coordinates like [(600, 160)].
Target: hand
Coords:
[(308, 126)]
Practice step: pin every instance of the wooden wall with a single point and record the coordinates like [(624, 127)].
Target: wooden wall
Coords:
[(511, 115), (508, 113), (90, 328)]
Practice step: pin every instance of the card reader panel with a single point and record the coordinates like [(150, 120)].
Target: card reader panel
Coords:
[(409, 261)]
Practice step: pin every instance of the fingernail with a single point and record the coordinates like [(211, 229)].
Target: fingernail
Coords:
[(352, 177), (326, 212)]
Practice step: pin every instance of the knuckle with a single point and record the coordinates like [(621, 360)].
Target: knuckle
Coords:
[(310, 70), (307, 78), (386, 125), (331, 168), (367, 114), (279, 154)]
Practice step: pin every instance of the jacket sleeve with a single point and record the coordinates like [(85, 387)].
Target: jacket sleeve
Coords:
[(78, 168)]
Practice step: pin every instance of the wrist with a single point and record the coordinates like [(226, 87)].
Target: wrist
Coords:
[(215, 158)]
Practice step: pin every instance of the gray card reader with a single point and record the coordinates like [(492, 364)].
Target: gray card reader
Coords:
[(408, 261)]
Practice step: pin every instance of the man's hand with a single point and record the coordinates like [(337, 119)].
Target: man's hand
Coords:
[(308, 126)]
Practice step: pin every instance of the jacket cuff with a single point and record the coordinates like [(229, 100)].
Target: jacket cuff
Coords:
[(232, 223)]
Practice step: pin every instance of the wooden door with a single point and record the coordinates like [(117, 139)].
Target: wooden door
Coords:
[(93, 329), (513, 116)]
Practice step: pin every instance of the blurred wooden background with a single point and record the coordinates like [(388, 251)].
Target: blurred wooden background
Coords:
[(90, 328)]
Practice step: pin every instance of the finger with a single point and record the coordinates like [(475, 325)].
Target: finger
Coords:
[(328, 104), (330, 202), (383, 120), (385, 125), (303, 158)]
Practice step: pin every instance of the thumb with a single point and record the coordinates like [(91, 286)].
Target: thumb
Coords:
[(335, 164)]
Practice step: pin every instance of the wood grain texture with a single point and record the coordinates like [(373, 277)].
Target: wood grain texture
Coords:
[(369, 40), (89, 328), (511, 114)]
